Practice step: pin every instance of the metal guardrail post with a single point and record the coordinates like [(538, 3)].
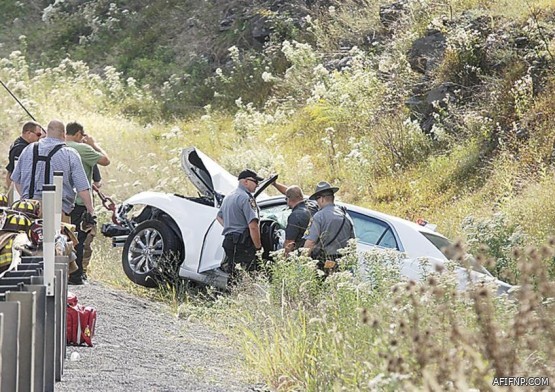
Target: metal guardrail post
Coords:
[(60, 311), (27, 338), (1, 338), (59, 183), (50, 347), (40, 343), (49, 233), (62, 264), (10, 346)]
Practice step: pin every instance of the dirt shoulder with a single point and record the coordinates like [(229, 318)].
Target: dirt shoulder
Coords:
[(140, 346)]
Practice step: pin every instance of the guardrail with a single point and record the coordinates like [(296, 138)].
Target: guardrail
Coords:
[(33, 297)]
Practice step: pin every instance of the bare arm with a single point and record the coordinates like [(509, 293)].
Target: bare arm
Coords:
[(220, 220), (254, 230), (86, 197), (288, 245), (102, 161), (309, 244), (280, 187), (18, 187), (8, 180)]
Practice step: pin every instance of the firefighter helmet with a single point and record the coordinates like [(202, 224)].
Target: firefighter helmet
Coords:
[(31, 208), (16, 221), (3, 200)]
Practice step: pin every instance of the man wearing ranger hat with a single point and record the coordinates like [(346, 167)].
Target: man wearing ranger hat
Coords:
[(239, 215), (331, 227)]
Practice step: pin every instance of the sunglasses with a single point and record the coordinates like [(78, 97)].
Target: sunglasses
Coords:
[(253, 180)]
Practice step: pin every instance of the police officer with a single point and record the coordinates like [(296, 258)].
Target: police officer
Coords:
[(331, 227), (301, 213), (239, 215)]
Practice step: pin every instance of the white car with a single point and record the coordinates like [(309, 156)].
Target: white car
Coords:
[(185, 228)]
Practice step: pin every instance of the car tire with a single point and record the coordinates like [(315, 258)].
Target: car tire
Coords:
[(149, 243), (269, 237)]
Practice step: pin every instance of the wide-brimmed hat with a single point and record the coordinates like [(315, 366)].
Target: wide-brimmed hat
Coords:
[(247, 173), (323, 187)]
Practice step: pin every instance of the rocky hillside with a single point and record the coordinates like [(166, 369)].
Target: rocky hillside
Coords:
[(460, 53), (418, 107)]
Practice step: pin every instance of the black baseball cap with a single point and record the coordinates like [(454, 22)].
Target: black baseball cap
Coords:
[(247, 173)]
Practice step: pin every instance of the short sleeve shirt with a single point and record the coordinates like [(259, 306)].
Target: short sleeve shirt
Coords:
[(325, 225), (298, 222), (89, 158), (15, 151), (238, 210), (66, 160)]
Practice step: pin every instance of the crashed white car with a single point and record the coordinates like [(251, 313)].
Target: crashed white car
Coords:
[(185, 228)]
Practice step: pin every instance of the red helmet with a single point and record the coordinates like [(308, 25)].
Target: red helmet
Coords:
[(35, 233)]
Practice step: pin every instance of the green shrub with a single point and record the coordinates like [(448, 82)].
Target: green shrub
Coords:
[(500, 239)]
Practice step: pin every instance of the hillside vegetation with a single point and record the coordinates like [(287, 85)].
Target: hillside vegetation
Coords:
[(437, 109)]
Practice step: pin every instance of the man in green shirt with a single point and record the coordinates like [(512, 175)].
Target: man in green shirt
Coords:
[(91, 154)]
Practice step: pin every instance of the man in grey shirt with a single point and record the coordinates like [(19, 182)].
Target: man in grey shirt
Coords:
[(331, 227), (239, 216)]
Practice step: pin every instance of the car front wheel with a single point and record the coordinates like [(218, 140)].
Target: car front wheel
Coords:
[(149, 246)]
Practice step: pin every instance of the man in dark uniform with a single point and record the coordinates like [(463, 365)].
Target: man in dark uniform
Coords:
[(30, 133), (239, 216), (331, 227), (299, 219)]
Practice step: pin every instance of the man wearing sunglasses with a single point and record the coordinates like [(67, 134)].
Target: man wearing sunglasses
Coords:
[(239, 215), (30, 133), (301, 213)]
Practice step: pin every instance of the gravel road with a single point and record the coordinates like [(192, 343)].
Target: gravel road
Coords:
[(140, 346)]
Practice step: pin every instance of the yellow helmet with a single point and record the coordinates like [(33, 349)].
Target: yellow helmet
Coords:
[(3, 200), (31, 208)]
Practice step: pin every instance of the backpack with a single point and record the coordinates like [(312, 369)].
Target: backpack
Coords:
[(46, 159), (80, 322)]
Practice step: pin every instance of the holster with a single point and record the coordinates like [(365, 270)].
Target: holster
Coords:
[(243, 238)]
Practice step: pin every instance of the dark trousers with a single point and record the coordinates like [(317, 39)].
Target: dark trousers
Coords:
[(323, 258), (238, 253), (76, 217)]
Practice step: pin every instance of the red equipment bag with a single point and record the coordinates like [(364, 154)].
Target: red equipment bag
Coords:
[(80, 322)]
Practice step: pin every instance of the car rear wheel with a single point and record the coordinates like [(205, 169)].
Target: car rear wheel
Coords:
[(149, 246), (269, 237)]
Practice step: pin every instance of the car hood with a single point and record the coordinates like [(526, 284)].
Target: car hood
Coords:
[(211, 179)]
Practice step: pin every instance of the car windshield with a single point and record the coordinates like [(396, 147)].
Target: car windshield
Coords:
[(278, 213), (443, 243), (439, 242)]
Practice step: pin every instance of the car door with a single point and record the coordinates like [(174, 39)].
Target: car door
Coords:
[(372, 232)]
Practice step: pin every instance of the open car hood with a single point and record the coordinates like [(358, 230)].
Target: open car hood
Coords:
[(211, 179)]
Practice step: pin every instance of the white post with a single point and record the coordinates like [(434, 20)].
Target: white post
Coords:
[(59, 182), (49, 233)]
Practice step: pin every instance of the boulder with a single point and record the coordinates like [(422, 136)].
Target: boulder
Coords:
[(427, 52), (390, 14)]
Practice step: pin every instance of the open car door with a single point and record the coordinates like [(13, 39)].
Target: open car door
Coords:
[(212, 251)]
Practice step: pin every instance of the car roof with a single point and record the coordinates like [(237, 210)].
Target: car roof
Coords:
[(413, 241)]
